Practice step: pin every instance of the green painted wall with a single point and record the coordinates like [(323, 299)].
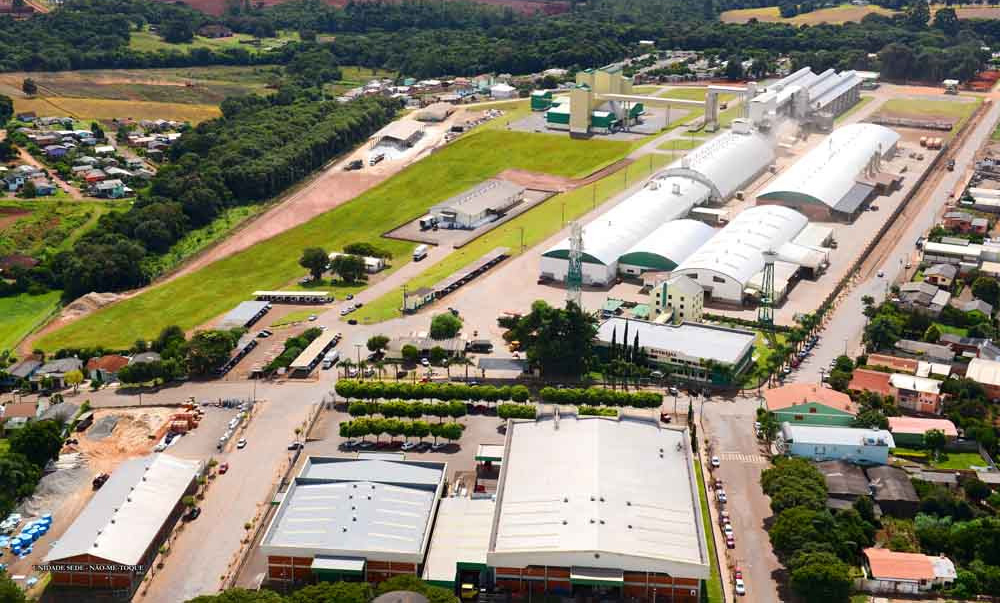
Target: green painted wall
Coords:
[(814, 413)]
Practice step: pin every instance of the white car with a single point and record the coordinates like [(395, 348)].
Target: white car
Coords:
[(880, 274), (721, 495), (160, 447), (741, 587), (716, 462), (425, 362), (439, 445), (409, 445), (728, 530), (242, 443)]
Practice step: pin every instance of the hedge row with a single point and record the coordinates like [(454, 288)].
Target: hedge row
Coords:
[(598, 411), (596, 396), (380, 390), (361, 427), (516, 411), (411, 410)]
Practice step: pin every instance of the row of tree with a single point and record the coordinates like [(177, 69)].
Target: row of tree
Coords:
[(597, 396), (21, 465), (516, 411), (818, 546), (411, 410), (388, 390), (362, 427)]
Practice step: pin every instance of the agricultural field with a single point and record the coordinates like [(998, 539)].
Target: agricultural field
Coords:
[(106, 110), (527, 7), (151, 42), (193, 299), (22, 313), (539, 223), (923, 108), (47, 225), (839, 14)]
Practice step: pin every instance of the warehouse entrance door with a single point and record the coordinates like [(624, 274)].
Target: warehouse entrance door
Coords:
[(596, 584)]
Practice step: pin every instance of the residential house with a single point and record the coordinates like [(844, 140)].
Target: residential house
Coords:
[(26, 116), (977, 305), (900, 365), (926, 351), (56, 371), (844, 481), (893, 491), (94, 176), (923, 298), (44, 187), (962, 345), (86, 160), (917, 394), (909, 431), (56, 150), (23, 370), (45, 139), (415, 299), (16, 260), (79, 171), (810, 404), (862, 446), (986, 373), (117, 172), (110, 189), (905, 573), (941, 275), (868, 380), (15, 416), (105, 368)]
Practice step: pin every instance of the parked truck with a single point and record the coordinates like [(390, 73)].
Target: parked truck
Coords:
[(419, 253)]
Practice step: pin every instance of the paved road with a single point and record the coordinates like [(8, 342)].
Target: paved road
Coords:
[(844, 328), (728, 424)]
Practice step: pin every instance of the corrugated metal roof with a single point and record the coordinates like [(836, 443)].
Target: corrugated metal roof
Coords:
[(123, 517), (828, 172), (242, 314), (694, 340), (847, 436), (674, 241), (461, 536), (313, 350)]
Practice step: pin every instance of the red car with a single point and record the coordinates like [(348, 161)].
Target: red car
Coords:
[(737, 573), (223, 468), (730, 542)]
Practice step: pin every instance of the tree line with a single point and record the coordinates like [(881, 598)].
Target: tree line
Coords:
[(412, 410), (21, 465), (257, 149), (597, 396), (394, 428), (387, 390)]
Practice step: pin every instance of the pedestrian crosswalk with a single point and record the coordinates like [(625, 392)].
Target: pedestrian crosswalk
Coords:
[(744, 458)]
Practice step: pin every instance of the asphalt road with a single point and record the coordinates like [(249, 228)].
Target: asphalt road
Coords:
[(844, 329), (728, 424)]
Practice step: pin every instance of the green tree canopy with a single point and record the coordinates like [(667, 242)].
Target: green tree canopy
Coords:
[(39, 441), (822, 578), (445, 326), (315, 260)]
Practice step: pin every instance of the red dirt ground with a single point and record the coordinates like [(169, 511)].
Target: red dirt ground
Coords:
[(527, 7)]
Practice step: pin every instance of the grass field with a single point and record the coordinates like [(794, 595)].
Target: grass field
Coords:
[(539, 223), (946, 460), (21, 314), (932, 109), (297, 316), (838, 14), (693, 93), (861, 104), (201, 238), (151, 42), (102, 109), (48, 224), (715, 582), (680, 144), (952, 330), (195, 298)]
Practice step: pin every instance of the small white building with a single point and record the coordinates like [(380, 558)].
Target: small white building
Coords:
[(503, 91), (907, 573), (372, 264), (681, 296)]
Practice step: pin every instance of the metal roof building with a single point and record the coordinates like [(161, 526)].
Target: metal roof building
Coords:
[(368, 517), (460, 539), (244, 314), (614, 504), (833, 179), (666, 247), (310, 357), (725, 265), (483, 203), (124, 523), (713, 171)]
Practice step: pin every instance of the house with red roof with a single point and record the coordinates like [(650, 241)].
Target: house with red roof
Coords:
[(106, 367), (909, 431), (810, 404), (905, 573)]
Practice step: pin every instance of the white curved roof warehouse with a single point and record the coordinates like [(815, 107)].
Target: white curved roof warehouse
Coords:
[(667, 246), (726, 263), (726, 162), (827, 174)]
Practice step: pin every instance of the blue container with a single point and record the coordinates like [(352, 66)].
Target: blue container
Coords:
[(47, 516)]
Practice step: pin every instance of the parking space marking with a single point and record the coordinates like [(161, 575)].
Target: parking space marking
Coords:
[(744, 458)]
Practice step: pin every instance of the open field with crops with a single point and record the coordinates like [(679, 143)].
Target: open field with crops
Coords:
[(47, 225), (837, 14), (106, 110)]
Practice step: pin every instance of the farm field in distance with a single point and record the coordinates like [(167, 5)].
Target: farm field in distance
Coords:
[(106, 110), (844, 13), (959, 110), (151, 42), (195, 298), (22, 313)]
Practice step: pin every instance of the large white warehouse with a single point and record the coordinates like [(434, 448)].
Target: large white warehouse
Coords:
[(807, 96), (647, 227), (727, 263), (833, 180)]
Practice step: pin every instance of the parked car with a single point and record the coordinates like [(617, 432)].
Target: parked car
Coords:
[(721, 495), (242, 443), (410, 445), (716, 462), (352, 321), (100, 480), (741, 587), (728, 530), (656, 375), (673, 391), (312, 317), (357, 164), (737, 573), (438, 445), (366, 444), (425, 362), (223, 468), (159, 447), (192, 514), (730, 543), (296, 446)]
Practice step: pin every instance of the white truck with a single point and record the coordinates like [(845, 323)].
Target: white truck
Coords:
[(419, 253), (330, 359)]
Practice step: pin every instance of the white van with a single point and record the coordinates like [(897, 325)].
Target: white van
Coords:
[(330, 359), (419, 253)]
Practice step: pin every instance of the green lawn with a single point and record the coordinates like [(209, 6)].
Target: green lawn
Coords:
[(680, 144), (195, 298), (950, 329), (931, 109), (715, 582), (539, 223), (21, 314), (201, 238), (150, 42), (946, 460), (296, 316), (694, 93), (860, 104)]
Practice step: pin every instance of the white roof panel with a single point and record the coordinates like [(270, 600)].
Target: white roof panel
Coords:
[(675, 240)]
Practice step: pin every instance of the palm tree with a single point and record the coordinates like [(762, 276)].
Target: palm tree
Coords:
[(395, 369), (346, 364), (362, 365), (380, 367)]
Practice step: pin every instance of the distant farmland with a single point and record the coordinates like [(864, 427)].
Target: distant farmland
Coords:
[(844, 13)]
